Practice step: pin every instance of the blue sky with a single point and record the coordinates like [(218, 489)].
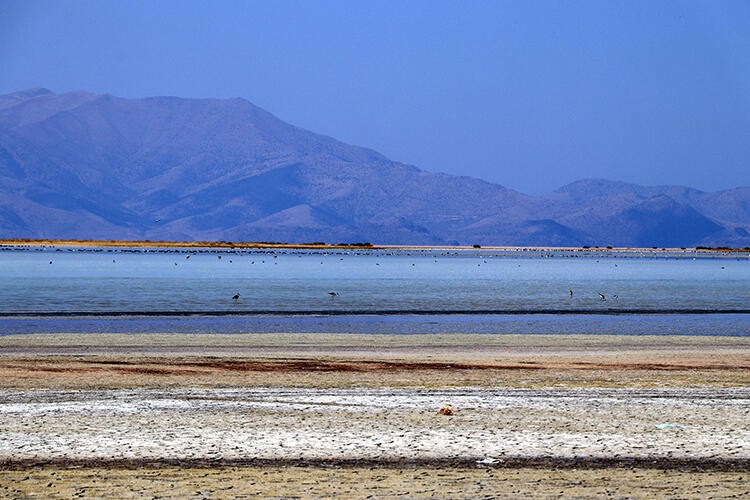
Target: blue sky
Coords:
[(528, 94)]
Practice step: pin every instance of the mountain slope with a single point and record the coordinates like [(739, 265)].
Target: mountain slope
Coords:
[(97, 166), (631, 215)]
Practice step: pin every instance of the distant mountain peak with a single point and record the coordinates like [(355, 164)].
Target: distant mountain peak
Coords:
[(86, 165)]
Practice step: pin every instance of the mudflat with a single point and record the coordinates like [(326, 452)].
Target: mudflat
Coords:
[(357, 415), (77, 361)]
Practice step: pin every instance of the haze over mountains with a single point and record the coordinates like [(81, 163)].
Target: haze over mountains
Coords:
[(95, 166)]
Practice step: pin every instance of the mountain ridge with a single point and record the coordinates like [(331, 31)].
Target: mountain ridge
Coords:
[(97, 166)]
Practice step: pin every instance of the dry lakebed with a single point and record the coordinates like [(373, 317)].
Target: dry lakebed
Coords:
[(345, 415)]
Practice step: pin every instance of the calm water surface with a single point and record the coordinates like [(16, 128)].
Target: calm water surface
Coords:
[(378, 291)]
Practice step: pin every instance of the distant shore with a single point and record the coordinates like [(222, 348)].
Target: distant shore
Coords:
[(21, 242)]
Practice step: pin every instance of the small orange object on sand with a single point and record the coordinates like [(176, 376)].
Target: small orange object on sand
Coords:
[(446, 410)]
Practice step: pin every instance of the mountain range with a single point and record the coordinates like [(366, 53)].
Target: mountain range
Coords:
[(95, 166)]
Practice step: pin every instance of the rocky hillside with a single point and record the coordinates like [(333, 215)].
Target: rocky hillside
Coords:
[(82, 165)]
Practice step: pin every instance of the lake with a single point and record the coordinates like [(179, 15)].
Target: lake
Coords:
[(377, 291)]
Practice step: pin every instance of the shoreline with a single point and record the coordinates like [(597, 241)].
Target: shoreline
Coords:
[(374, 312), (22, 242), (372, 341)]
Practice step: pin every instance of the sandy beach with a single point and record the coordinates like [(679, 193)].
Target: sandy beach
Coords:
[(355, 415)]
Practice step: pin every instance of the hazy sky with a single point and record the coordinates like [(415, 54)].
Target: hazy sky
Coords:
[(528, 94)]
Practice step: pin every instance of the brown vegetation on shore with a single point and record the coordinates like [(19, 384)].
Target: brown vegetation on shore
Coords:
[(322, 245), (178, 244)]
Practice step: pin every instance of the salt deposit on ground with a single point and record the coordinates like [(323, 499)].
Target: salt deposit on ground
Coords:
[(373, 424)]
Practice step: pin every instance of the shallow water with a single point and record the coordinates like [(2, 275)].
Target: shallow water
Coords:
[(377, 291), (591, 324)]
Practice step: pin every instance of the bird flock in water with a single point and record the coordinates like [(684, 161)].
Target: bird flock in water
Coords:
[(333, 294)]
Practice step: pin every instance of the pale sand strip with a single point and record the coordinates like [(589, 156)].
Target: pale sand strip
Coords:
[(420, 341)]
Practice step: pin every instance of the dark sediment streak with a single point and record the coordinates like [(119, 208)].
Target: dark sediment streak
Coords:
[(690, 464), (367, 312)]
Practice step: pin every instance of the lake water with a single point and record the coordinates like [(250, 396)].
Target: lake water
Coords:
[(384, 291)]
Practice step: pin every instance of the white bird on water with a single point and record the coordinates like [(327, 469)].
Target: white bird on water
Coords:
[(601, 296)]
